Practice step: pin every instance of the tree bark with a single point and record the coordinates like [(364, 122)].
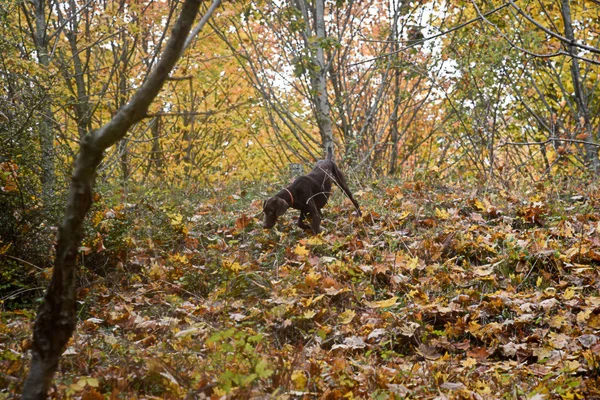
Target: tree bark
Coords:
[(394, 118), (318, 77), (82, 107), (46, 123), (591, 151), (56, 317), (322, 100)]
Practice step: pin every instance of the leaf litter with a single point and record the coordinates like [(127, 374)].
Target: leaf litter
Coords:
[(436, 293)]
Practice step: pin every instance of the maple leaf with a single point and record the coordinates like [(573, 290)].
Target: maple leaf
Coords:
[(301, 250)]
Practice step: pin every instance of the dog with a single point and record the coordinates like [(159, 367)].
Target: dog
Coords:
[(308, 193)]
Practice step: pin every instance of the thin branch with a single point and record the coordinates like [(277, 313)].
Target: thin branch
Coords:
[(197, 113), (201, 23), (550, 141)]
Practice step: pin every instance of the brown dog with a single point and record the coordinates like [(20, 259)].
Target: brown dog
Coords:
[(308, 193)]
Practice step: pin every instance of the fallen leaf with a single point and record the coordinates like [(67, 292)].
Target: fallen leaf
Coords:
[(346, 317), (301, 250), (382, 303)]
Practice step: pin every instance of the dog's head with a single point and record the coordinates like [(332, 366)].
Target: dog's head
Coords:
[(273, 208)]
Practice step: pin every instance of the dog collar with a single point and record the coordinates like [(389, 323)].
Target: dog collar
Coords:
[(291, 197)]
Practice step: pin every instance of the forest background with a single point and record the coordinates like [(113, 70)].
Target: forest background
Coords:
[(469, 131)]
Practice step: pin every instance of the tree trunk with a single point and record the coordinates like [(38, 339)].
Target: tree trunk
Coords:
[(122, 145), (156, 156), (322, 100), (82, 107), (394, 118), (56, 317), (46, 123), (318, 77), (583, 115)]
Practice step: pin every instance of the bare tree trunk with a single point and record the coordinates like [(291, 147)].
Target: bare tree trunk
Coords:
[(156, 153), (591, 151), (322, 100), (82, 107), (394, 117), (122, 145), (56, 317), (46, 123), (319, 77)]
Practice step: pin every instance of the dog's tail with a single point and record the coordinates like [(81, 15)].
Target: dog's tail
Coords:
[(340, 180)]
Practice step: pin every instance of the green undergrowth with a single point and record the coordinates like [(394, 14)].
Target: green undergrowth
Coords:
[(439, 289)]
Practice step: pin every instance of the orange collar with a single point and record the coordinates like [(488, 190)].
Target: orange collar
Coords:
[(291, 197)]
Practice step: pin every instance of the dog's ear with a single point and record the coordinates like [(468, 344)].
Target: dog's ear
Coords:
[(281, 207)]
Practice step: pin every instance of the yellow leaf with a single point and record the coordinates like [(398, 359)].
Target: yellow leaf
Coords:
[(583, 316), (97, 218), (5, 248), (299, 379), (313, 301), (346, 317), (539, 281), (309, 314), (403, 215), (312, 279), (382, 303), (79, 385), (233, 266), (469, 362), (569, 294), (412, 263), (479, 205), (473, 327), (176, 219), (484, 270), (315, 240), (556, 321), (441, 214), (482, 388), (301, 250), (93, 382), (572, 366)]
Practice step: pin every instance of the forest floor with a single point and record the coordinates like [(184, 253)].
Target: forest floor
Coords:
[(441, 292)]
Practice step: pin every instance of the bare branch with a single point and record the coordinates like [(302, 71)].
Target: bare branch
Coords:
[(201, 23), (549, 141)]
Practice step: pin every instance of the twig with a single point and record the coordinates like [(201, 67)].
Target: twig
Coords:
[(549, 141), (19, 292), (316, 194), (23, 261)]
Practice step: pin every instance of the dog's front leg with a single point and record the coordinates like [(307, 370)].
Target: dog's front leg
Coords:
[(315, 217), (301, 223)]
